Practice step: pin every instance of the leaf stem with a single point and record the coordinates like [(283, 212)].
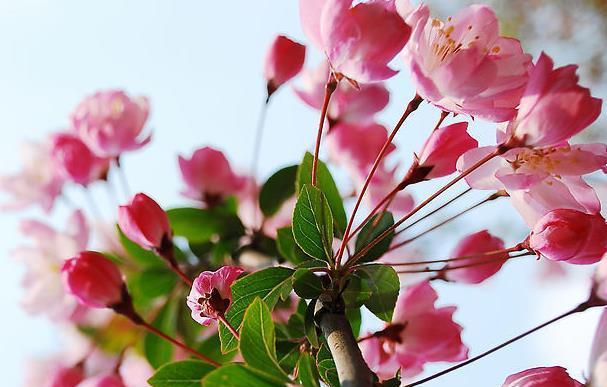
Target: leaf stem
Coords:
[(232, 330)]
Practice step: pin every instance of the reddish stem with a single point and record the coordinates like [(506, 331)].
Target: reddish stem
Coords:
[(330, 87), (225, 322), (518, 247), (468, 265)]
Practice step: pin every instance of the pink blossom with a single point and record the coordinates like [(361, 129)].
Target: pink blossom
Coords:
[(134, 369), (463, 65), (442, 149), (211, 295), (382, 184), (52, 372), (570, 235), (93, 279), (67, 377), (542, 377), (44, 291), (478, 243), (103, 380), (76, 162), (208, 176), (144, 222), (359, 41), (419, 333), (284, 60), (542, 179), (37, 183), (348, 103), (110, 122), (554, 106)]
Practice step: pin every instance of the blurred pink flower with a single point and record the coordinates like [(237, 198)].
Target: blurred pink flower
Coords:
[(37, 183), (76, 162), (103, 380), (382, 183), (463, 65), (134, 369), (44, 292), (477, 243), (348, 104), (571, 236), (211, 295), (542, 377), (554, 106), (419, 333), (284, 60), (144, 222), (93, 279), (208, 176), (110, 122), (359, 40)]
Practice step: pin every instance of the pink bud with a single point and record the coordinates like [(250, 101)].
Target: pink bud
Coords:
[(442, 149), (66, 377), (103, 380), (144, 222), (211, 295), (93, 279), (75, 161), (570, 235), (542, 377), (284, 60), (477, 243)]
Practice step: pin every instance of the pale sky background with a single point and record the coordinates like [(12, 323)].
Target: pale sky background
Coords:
[(200, 64)]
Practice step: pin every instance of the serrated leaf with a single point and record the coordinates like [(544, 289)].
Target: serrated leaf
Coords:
[(288, 248), (310, 325), (327, 185), (326, 366), (357, 291), (307, 284), (307, 372), (200, 225), (383, 282), (313, 224), (236, 375), (370, 231), (157, 350), (187, 373), (270, 285), (258, 340), (277, 189)]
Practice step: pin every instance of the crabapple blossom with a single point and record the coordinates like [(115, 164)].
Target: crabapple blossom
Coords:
[(477, 243), (93, 279), (359, 40), (110, 122), (211, 295), (208, 176), (134, 368), (37, 183), (284, 60), (103, 380), (571, 236), (67, 377), (542, 377), (144, 222), (463, 65), (76, 162)]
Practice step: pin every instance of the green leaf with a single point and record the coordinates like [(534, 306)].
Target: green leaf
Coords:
[(383, 282), (288, 355), (258, 342), (313, 224), (187, 373), (157, 350), (143, 257), (199, 225), (357, 291), (308, 374), (370, 231), (287, 247), (326, 366), (211, 347), (277, 189), (270, 284), (236, 375), (355, 319), (152, 283), (327, 185), (307, 284), (310, 325)]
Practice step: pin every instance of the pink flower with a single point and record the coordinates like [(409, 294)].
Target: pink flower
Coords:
[(477, 243), (44, 291), (442, 149), (208, 176), (284, 60), (75, 161), (348, 104), (419, 333), (103, 380), (359, 41), (93, 279), (382, 183), (134, 369), (37, 183), (144, 222), (554, 107), (66, 377), (542, 179), (211, 295), (570, 235), (110, 122), (464, 66), (542, 377)]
